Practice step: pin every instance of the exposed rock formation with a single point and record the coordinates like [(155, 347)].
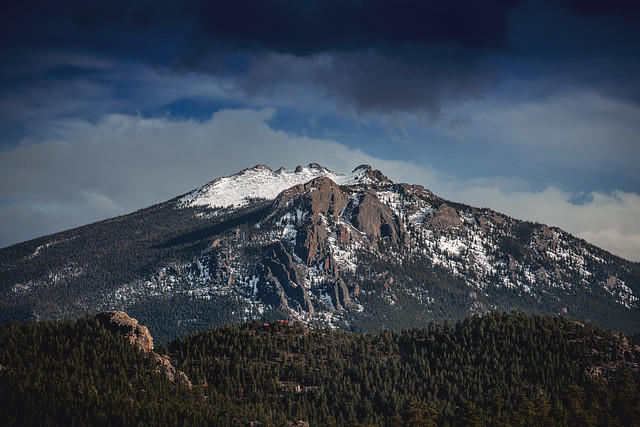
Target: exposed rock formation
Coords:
[(377, 220), (324, 205), (343, 238), (340, 295), (119, 322), (163, 365), (321, 198), (443, 218), (284, 270), (374, 175), (622, 355)]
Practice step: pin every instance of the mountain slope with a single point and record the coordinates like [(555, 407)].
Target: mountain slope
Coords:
[(353, 251)]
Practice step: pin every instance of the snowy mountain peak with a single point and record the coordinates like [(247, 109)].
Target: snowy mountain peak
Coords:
[(258, 182), (261, 182), (362, 168), (367, 175)]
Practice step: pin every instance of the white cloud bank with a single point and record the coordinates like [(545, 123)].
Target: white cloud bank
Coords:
[(121, 163)]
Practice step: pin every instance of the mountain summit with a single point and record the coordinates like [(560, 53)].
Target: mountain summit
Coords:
[(354, 251), (260, 182)]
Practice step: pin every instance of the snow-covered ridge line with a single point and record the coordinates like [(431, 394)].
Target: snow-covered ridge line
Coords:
[(261, 182)]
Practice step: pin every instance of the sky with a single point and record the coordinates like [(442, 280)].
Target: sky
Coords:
[(531, 108)]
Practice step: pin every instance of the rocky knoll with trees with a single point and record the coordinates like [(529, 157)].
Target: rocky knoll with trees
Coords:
[(494, 369)]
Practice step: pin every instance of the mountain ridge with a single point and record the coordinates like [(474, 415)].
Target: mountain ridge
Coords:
[(355, 251)]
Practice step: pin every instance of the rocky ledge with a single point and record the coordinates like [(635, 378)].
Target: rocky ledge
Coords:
[(121, 324)]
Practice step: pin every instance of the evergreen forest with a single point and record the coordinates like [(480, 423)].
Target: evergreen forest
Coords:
[(496, 369)]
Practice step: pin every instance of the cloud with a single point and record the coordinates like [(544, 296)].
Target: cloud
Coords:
[(125, 162), (304, 28), (43, 88), (576, 136), (365, 57), (621, 9), (373, 56), (370, 81), (284, 26)]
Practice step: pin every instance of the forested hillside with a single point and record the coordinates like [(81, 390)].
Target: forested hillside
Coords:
[(496, 369)]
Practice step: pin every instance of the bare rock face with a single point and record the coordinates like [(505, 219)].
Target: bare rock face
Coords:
[(343, 236), (164, 366), (321, 197), (340, 295), (284, 270), (119, 322), (326, 198), (443, 218), (377, 220), (321, 194), (310, 242), (623, 355)]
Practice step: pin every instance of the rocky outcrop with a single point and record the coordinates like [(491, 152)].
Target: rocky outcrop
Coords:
[(281, 266), (320, 195), (271, 292), (321, 198), (377, 221), (340, 295), (164, 366), (443, 218), (620, 354), (119, 322), (326, 197), (374, 175), (311, 242), (342, 236)]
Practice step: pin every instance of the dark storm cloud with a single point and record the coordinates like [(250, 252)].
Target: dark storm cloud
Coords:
[(370, 81), (385, 56), (294, 27), (368, 56), (285, 26), (307, 27), (376, 56)]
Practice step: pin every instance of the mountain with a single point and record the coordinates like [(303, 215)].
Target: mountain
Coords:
[(357, 252)]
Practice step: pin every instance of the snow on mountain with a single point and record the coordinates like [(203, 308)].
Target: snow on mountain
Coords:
[(261, 182), (258, 182)]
